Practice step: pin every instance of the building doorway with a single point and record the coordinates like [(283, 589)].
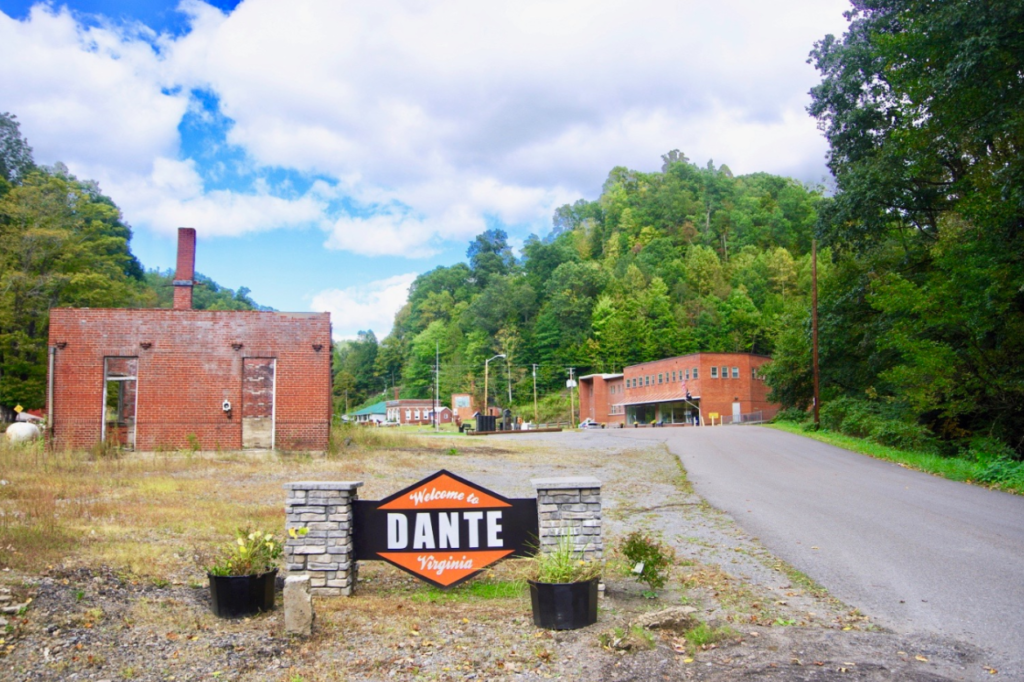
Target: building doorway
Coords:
[(258, 403), (120, 401)]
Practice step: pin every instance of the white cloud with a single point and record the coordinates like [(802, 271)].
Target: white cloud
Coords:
[(172, 196), (429, 118), (362, 307), (91, 97)]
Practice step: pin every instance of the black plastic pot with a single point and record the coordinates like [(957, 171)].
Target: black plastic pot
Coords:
[(235, 596), (564, 606)]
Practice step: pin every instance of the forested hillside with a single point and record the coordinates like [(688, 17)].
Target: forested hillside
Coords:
[(922, 320), (690, 258), (64, 244)]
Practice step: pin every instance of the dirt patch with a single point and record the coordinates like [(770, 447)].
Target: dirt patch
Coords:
[(754, 618)]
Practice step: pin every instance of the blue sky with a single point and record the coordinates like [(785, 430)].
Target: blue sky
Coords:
[(328, 151)]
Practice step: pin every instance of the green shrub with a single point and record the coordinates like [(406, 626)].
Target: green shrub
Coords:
[(1003, 472), (986, 449), (860, 422), (649, 558), (834, 413), (883, 423), (902, 435), (791, 414)]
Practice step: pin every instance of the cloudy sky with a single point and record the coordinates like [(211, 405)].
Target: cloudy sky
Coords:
[(327, 151)]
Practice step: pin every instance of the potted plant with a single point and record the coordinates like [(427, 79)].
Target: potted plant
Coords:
[(563, 591), (242, 579)]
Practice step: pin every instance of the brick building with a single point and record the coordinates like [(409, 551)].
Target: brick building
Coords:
[(416, 411), (158, 378), (682, 390), (601, 398)]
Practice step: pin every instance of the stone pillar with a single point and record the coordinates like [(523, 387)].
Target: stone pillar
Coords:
[(570, 505), (325, 552)]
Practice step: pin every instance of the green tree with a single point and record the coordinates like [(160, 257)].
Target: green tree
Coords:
[(62, 244), (489, 256), (921, 105), (15, 155)]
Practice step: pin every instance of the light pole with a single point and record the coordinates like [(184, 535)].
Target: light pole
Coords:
[(535, 418), (486, 369), (508, 370)]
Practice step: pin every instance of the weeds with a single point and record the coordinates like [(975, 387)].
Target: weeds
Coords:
[(649, 559), (703, 636), (635, 638)]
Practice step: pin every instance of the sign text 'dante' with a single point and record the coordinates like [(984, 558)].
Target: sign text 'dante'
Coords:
[(444, 529)]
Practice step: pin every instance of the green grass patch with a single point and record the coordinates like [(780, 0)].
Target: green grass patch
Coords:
[(474, 590), (703, 635), (953, 468)]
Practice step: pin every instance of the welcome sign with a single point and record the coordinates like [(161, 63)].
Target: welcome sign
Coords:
[(444, 529)]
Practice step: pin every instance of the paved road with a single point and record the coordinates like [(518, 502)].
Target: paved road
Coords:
[(915, 552)]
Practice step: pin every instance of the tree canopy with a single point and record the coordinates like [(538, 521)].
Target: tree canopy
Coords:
[(921, 103)]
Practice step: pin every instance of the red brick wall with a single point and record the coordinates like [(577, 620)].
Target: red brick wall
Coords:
[(189, 369), (716, 395), (413, 404), (597, 395)]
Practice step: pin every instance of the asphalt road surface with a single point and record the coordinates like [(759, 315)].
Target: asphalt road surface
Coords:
[(915, 552)]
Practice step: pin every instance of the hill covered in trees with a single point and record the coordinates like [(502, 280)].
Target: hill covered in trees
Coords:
[(688, 259)]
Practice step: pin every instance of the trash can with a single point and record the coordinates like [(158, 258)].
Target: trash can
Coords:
[(486, 422)]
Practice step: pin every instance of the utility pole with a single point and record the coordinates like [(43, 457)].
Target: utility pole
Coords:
[(814, 326), (487, 364), (535, 417), (437, 386), (508, 372)]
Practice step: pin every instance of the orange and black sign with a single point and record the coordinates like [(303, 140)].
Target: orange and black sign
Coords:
[(444, 529)]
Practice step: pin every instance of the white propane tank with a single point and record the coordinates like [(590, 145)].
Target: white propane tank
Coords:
[(22, 432)]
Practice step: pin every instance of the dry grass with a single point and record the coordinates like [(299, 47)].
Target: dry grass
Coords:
[(149, 513)]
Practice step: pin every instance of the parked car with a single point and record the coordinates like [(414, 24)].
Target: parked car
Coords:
[(589, 423)]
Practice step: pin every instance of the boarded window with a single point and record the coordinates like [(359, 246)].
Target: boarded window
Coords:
[(258, 403)]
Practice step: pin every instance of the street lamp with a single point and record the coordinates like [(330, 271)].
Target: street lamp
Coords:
[(486, 369), (508, 369)]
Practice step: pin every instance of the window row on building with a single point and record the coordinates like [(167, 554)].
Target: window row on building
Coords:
[(680, 390)]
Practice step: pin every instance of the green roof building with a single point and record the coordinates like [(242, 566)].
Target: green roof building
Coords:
[(377, 412)]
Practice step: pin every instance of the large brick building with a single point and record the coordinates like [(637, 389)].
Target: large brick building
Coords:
[(417, 411), (157, 378), (689, 389)]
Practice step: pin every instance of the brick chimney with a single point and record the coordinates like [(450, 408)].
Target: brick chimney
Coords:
[(185, 274)]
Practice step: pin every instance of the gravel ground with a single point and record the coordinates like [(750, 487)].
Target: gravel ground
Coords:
[(94, 623)]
